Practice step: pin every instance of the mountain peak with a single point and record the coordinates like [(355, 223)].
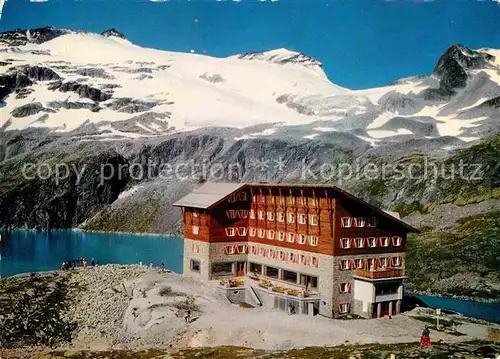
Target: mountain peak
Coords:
[(113, 33)]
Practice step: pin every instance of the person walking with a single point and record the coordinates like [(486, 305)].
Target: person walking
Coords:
[(92, 262)]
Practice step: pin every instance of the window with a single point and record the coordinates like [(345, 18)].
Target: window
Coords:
[(262, 215), (255, 268), (243, 213), (346, 222), (262, 199), (231, 198), (291, 237), (301, 239), (291, 200), (300, 201), (270, 234), (272, 272), (302, 218), (196, 229), (231, 213), (230, 232), (344, 308), (313, 240), (383, 262), (344, 264), (313, 219), (360, 242), (195, 214), (222, 269), (384, 241), (281, 217), (262, 233), (396, 241), (309, 281), (270, 216), (252, 214), (396, 261), (195, 265), (242, 231), (229, 249), (242, 249), (358, 263), (281, 236), (373, 222), (289, 276), (291, 217), (314, 202), (345, 287), (253, 231), (371, 263), (360, 222), (345, 243), (243, 196), (372, 242)]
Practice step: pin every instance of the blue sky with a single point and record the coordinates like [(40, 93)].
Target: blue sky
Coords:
[(361, 43)]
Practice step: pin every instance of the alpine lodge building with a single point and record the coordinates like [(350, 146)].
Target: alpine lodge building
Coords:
[(317, 248)]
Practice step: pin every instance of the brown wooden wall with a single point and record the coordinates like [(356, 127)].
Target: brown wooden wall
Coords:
[(202, 220), (219, 221), (384, 228), (328, 205)]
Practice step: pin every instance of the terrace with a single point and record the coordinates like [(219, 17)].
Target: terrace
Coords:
[(380, 274)]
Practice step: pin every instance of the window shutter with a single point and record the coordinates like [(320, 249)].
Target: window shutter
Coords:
[(339, 308), (348, 307), (348, 287), (226, 249)]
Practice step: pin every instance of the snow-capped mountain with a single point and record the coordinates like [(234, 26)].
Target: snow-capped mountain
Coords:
[(101, 86)]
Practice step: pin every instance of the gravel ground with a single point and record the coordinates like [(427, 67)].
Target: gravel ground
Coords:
[(133, 307)]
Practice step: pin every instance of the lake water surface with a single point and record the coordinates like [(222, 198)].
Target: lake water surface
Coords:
[(31, 251)]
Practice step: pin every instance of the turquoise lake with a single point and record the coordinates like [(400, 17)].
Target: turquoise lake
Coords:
[(29, 251)]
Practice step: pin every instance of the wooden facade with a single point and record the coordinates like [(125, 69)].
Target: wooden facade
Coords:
[(300, 211), (320, 232)]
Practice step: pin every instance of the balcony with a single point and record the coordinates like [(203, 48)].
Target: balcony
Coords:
[(380, 273), (388, 297)]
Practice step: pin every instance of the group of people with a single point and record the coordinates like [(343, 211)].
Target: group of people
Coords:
[(79, 262), (151, 266)]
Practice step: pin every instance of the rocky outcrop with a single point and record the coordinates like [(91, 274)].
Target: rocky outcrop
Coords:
[(452, 66), (27, 110), (92, 179), (83, 90), (36, 36), (21, 77), (130, 105), (113, 33)]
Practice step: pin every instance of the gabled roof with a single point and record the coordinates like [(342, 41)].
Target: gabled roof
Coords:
[(208, 194)]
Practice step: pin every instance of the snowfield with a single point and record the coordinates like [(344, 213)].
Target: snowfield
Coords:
[(149, 92)]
